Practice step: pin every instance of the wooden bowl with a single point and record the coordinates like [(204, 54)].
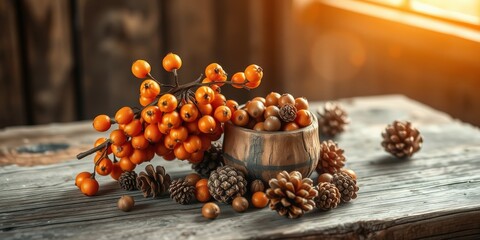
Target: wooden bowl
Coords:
[(262, 155)]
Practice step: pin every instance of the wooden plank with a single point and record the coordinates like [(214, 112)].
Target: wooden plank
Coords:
[(434, 194), (46, 27), (113, 35), (12, 110)]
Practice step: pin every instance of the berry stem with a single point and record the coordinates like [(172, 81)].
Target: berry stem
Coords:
[(93, 150)]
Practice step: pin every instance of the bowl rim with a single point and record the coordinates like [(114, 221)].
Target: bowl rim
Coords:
[(312, 125)]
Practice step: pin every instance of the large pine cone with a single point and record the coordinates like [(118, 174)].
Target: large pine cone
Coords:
[(128, 180), (401, 139), (328, 196), (291, 195), (154, 181), (212, 159), (333, 120), (181, 191), (346, 185), (227, 183), (331, 158)]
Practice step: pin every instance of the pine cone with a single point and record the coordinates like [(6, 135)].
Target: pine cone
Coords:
[(291, 195), (153, 182), (181, 191), (288, 113), (346, 185), (401, 139), (128, 180), (333, 120), (227, 183), (331, 158), (328, 196), (212, 159)]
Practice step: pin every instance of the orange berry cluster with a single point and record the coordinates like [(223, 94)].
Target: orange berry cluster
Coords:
[(178, 123), (268, 114)]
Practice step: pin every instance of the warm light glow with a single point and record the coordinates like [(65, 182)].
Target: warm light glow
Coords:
[(459, 10)]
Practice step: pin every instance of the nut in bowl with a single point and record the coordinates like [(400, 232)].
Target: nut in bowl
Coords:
[(263, 154)]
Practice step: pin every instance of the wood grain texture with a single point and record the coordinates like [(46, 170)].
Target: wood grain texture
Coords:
[(262, 155), (12, 103), (46, 27), (433, 195), (113, 35)]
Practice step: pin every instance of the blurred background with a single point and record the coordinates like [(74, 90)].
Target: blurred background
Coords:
[(69, 60)]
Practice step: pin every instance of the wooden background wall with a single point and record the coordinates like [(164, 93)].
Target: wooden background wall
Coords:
[(70, 60)]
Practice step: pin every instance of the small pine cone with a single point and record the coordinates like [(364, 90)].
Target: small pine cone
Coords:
[(401, 139), (181, 191), (288, 113), (128, 181), (328, 196), (331, 158), (291, 195), (346, 185), (212, 159), (154, 181), (333, 120), (227, 183)]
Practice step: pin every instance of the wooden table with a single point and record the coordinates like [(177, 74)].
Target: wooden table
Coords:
[(435, 194)]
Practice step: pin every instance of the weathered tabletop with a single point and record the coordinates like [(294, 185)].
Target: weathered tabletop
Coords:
[(434, 194)]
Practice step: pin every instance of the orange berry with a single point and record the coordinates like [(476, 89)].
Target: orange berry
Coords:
[(215, 72), (253, 73), (192, 127), (233, 105), (260, 200), (144, 101), (126, 164), (196, 157), (193, 144), (124, 115), (102, 123), (172, 119), (123, 150), (215, 87), (291, 126), (202, 182), (160, 149), (188, 112), (89, 186), (218, 100), (204, 95), (169, 156), (206, 142), (272, 99), (202, 194), (152, 133), (207, 124), (80, 177), (133, 128), (205, 109), (104, 167), (171, 61), (116, 171), (141, 68), (180, 152), (169, 142), (101, 141), (179, 134), (149, 88), (252, 85), (240, 118), (222, 114), (140, 142), (117, 137), (138, 156), (167, 103), (151, 114), (238, 80)]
